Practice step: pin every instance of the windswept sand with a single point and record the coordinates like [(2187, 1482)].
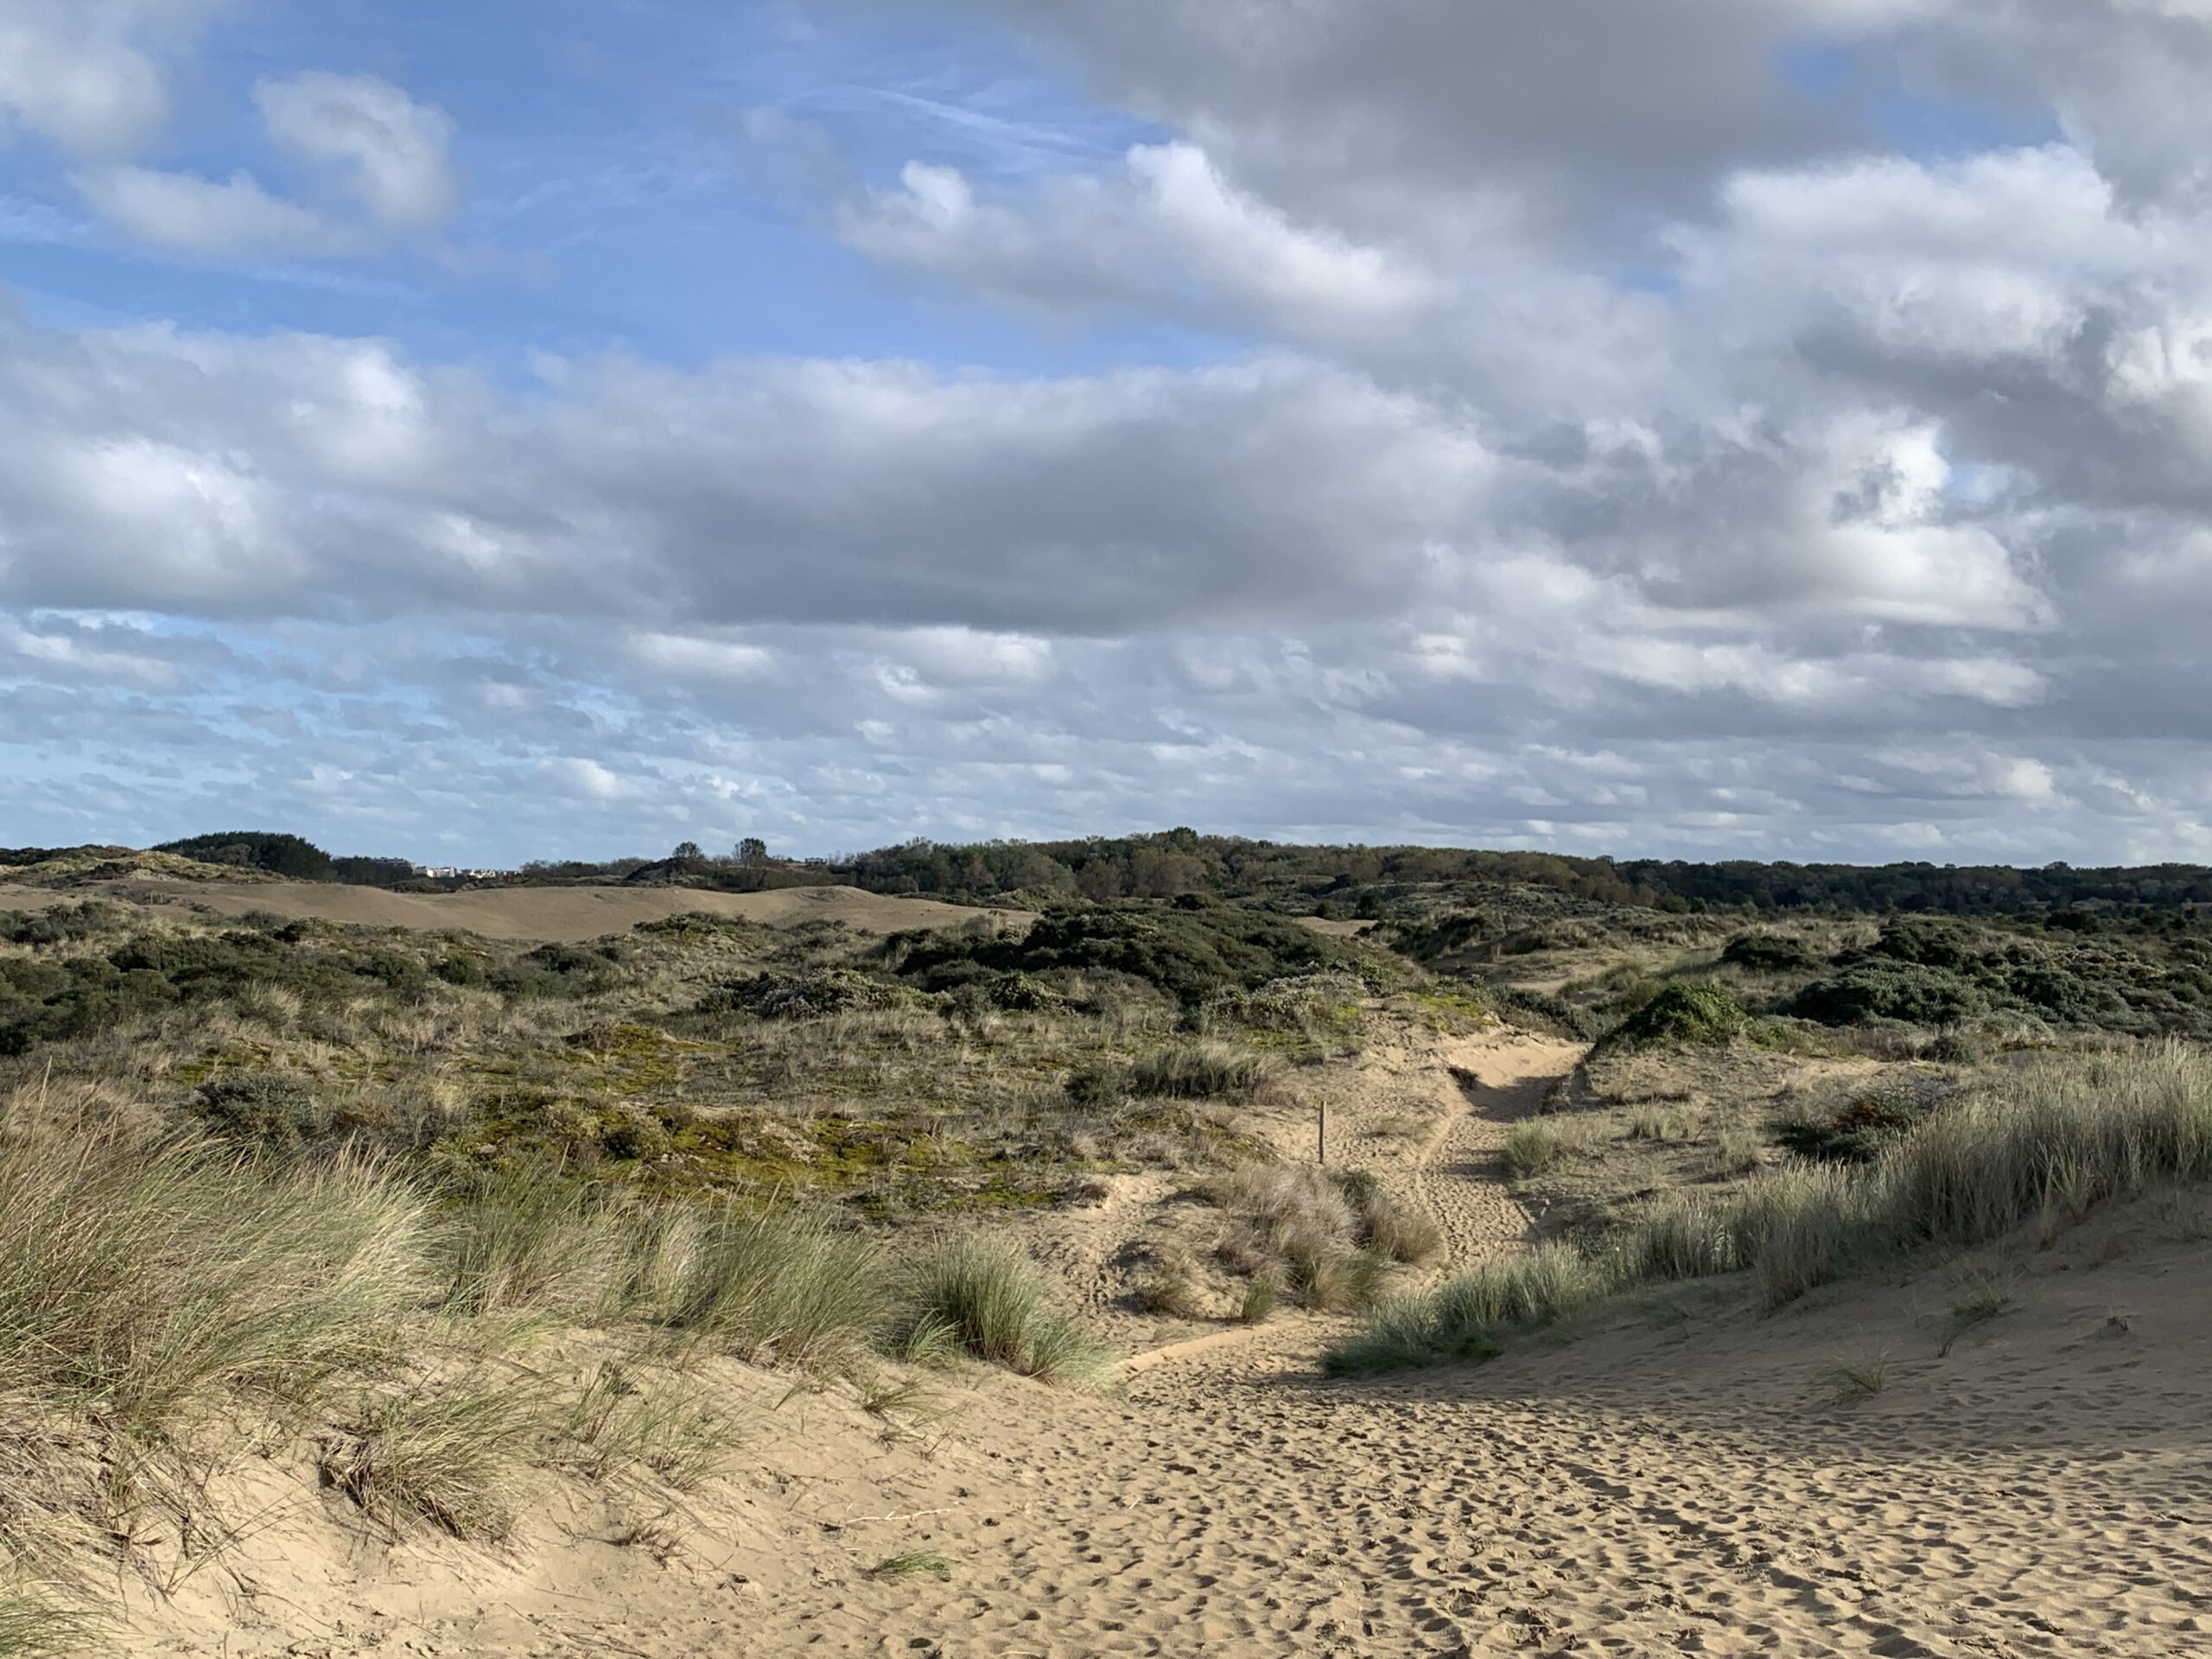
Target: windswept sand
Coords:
[(563, 914), (1676, 1481)]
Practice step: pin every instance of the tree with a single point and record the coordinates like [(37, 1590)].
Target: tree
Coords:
[(752, 850), (687, 849)]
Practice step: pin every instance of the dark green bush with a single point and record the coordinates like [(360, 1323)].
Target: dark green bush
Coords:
[(60, 924), (273, 1109), (776, 994), (1769, 953), (1682, 1014), (1192, 947), (1871, 989)]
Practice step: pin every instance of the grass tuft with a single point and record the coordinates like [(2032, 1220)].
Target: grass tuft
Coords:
[(33, 1625), (456, 1454), (930, 1563), (1203, 1070), (1530, 1148), (1845, 1381), (984, 1298)]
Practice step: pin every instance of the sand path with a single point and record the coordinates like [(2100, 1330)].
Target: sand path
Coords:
[(1643, 1498)]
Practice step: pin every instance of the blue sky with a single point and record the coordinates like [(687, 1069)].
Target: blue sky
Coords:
[(481, 431)]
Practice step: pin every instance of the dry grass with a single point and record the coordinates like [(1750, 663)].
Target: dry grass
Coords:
[(1202, 1070), (1328, 1238), (985, 1298), (140, 1277), (456, 1453), (1170, 1286)]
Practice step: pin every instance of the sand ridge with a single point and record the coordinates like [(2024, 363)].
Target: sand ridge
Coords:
[(566, 915)]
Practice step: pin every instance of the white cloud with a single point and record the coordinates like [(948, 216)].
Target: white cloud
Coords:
[(195, 215), (1629, 451), (90, 74), (1171, 231), (388, 150), (682, 657)]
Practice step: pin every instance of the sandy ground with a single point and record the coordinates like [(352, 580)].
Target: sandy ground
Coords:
[(1676, 1480), (566, 914)]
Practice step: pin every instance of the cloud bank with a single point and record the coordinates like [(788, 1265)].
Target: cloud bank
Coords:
[(1768, 429)]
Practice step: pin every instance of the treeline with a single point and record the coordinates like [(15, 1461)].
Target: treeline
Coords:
[(1353, 880), (291, 856), (1180, 861), (1959, 890)]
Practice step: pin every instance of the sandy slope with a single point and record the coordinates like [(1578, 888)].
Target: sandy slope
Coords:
[(568, 914), (1675, 1482)]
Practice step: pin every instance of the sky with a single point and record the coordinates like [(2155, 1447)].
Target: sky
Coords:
[(491, 429)]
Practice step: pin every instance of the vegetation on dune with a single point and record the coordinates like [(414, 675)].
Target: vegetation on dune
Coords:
[(1680, 1013), (2052, 1140), (985, 1298), (1192, 950)]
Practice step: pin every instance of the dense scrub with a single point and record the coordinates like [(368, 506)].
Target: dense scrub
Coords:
[(88, 970), (1931, 971), (1192, 948)]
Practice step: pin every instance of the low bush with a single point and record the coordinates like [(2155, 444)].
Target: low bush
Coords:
[(1857, 1128), (1870, 990), (778, 995), (1193, 948), (1769, 953), (1679, 1014)]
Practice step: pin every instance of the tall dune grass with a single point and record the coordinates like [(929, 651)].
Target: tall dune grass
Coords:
[(139, 1275), (2061, 1136), (986, 1299)]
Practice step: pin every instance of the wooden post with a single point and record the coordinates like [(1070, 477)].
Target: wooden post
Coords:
[(1321, 1136)]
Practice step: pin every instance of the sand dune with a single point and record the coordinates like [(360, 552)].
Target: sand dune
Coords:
[(1678, 1480), (567, 914)]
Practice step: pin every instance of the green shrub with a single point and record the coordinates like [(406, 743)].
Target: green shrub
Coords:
[(776, 994), (1192, 947), (270, 1108), (1680, 1014), (1769, 953), (1857, 1129), (1870, 990)]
